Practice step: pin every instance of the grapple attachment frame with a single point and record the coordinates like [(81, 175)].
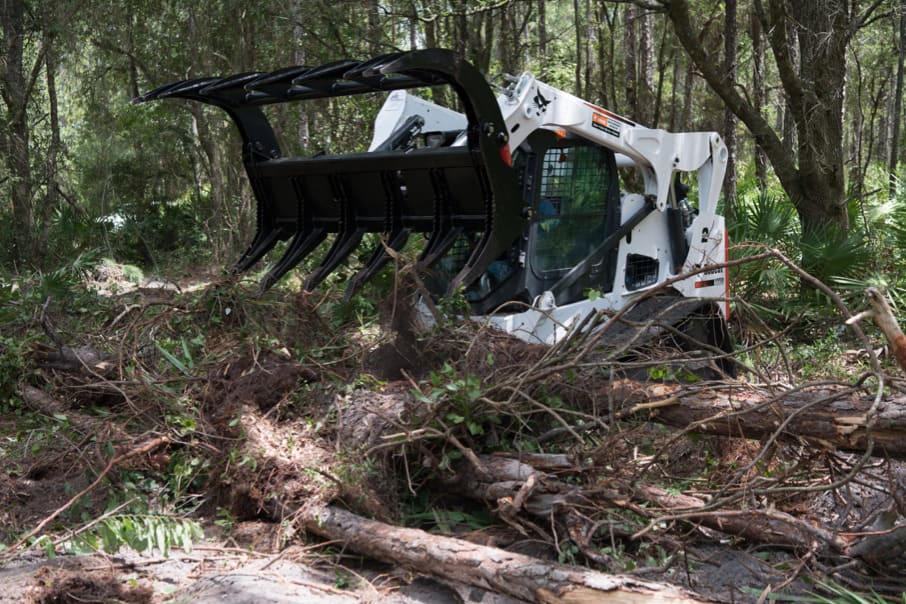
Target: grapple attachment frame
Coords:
[(443, 192)]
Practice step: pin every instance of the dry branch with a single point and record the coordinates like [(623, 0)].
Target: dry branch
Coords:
[(551, 496), (142, 449), (882, 314)]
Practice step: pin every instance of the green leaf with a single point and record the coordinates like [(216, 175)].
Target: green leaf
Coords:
[(173, 360), (163, 540), (186, 354), (109, 538)]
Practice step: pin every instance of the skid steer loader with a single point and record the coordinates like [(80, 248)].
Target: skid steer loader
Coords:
[(517, 197)]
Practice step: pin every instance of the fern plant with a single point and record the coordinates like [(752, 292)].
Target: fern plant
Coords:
[(141, 532), (869, 254), (764, 218)]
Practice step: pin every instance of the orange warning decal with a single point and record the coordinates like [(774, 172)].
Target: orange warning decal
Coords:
[(599, 120)]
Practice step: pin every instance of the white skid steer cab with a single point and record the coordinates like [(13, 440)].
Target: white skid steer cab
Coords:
[(517, 197)]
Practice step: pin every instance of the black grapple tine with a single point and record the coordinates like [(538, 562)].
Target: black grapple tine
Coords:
[(266, 233), (324, 76), (349, 233), (482, 257), (264, 241), (394, 237), (439, 242), (339, 250), (443, 232), (371, 67), (174, 89), (490, 245), (276, 84), (302, 244), (308, 236), (378, 259), (234, 85)]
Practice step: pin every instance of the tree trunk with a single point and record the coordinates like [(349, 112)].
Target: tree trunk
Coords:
[(674, 90), (661, 76), (607, 58), (577, 24), (730, 181), (630, 63), (515, 575), (302, 131), (589, 35), (646, 69), (462, 28), (431, 33), (374, 28), (896, 113), (818, 105), (789, 123), (51, 159), (15, 95), (758, 94), (685, 123), (542, 29), (600, 12)]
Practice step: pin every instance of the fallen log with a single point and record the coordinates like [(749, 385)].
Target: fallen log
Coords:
[(500, 571), (835, 419), (46, 404), (84, 360)]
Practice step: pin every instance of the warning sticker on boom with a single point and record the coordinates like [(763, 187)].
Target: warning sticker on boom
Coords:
[(600, 121)]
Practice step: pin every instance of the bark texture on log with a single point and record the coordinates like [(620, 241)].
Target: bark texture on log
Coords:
[(515, 575), (830, 418), (84, 360)]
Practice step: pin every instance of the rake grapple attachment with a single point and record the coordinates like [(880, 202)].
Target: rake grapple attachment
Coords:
[(444, 192)]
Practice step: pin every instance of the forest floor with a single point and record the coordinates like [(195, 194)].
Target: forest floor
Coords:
[(175, 453)]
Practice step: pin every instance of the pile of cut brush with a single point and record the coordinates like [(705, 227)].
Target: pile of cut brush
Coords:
[(542, 474)]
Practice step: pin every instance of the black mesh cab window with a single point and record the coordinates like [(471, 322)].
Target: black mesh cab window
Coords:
[(570, 209)]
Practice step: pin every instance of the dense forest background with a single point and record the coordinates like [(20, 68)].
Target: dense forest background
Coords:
[(808, 96)]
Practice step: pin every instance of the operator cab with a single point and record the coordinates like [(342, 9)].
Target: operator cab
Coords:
[(570, 192)]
